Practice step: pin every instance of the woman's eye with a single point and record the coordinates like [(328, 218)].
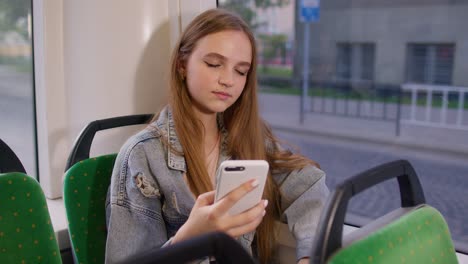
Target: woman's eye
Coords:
[(212, 65), (241, 73)]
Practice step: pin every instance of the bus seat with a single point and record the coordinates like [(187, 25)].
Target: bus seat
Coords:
[(85, 189), (26, 231), (84, 193), (9, 162), (413, 233), (221, 246)]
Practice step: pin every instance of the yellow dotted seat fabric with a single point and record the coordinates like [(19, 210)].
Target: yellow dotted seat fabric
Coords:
[(421, 236), (85, 190), (26, 231)]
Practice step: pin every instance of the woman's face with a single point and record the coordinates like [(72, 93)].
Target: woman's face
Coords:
[(216, 71)]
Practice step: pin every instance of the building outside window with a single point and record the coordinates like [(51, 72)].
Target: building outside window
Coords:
[(343, 61), (355, 61), (430, 63), (357, 114)]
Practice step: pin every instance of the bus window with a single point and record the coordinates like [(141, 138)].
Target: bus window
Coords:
[(17, 114), (358, 83)]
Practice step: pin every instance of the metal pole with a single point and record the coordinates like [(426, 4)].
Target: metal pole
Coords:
[(305, 73), (398, 114)]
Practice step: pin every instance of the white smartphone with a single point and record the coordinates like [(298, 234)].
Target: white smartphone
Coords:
[(232, 173)]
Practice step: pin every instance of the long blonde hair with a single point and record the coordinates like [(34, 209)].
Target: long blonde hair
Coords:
[(247, 133)]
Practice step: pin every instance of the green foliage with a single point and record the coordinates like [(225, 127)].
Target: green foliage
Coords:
[(264, 4), (20, 64), (273, 44), (241, 8), (10, 13), (14, 9), (319, 92), (275, 71), (244, 8)]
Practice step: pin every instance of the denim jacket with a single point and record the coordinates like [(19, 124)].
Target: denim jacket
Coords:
[(149, 200)]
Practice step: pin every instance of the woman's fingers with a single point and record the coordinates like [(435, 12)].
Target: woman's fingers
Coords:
[(205, 199), (244, 229), (248, 216), (223, 205), (208, 216)]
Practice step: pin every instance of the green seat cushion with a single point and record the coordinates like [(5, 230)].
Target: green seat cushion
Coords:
[(26, 231), (421, 236), (85, 190)]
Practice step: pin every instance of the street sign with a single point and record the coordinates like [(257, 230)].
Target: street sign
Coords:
[(310, 10)]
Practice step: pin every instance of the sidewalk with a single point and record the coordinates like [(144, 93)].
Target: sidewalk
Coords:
[(345, 146), (282, 113)]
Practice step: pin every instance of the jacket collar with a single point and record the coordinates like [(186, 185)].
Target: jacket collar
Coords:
[(166, 126)]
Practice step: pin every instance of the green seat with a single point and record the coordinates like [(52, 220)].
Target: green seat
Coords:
[(420, 236), (26, 232), (413, 233), (85, 192), (85, 189)]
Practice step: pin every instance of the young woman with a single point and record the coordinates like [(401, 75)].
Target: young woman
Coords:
[(162, 185)]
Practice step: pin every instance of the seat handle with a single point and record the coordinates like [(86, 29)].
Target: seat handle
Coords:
[(9, 162), (329, 236), (82, 145), (224, 248)]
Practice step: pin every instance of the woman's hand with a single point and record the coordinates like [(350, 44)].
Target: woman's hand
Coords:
[(303, 261), (207, 216)]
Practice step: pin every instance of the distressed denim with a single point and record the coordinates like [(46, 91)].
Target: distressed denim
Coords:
[(149, 200)]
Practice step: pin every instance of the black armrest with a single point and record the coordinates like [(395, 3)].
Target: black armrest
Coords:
[(82, 145), (330, 231), (219, 245), (9, 162)]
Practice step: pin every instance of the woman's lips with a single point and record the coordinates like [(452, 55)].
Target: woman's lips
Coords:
[(222, 96)]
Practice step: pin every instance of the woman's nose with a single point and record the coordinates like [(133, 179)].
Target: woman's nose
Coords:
[(226, 79)]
